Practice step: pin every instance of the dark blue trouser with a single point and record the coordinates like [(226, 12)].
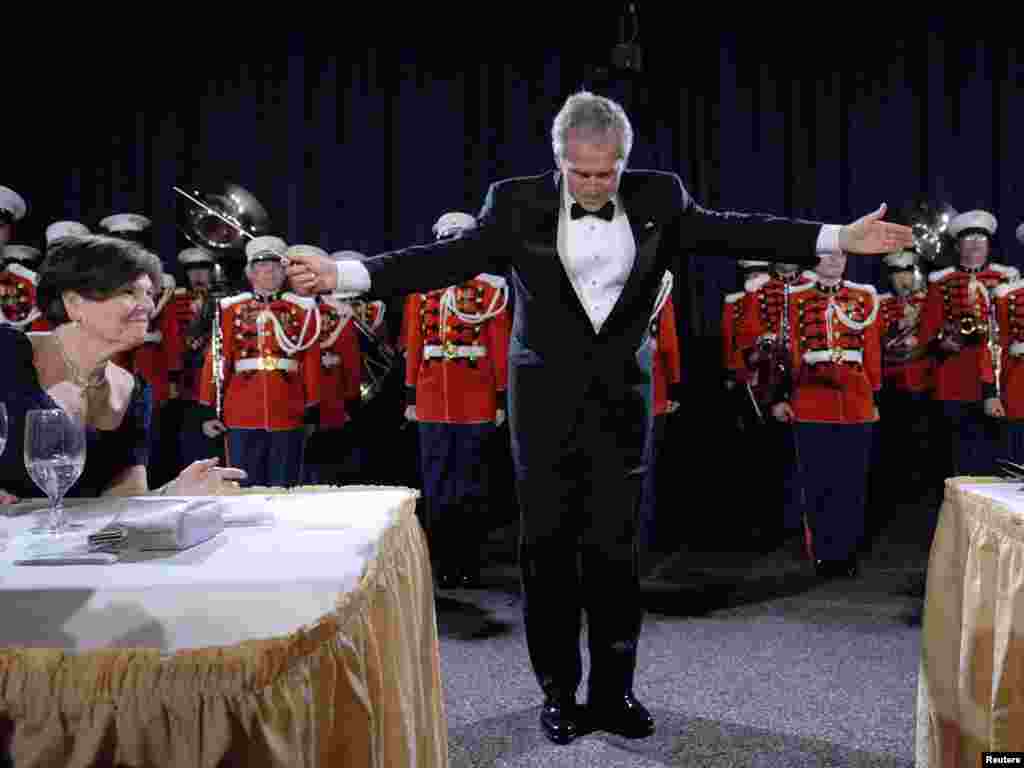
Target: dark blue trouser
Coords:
[(269, 458), (975, 438), (456, 487), (833, 466), (651, 534), (1013, 447)]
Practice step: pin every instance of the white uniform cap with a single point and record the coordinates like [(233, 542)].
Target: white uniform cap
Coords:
[(348, 256), (265, 248), (60, 229), (305, 250), (982, 220), (12, 202), (749, 264), (1020, 234), (21, 252), (125, 222), (901, 259), (192, 257), (453, 222)]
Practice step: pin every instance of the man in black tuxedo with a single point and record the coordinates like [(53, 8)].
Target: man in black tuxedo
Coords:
[(584, 250)]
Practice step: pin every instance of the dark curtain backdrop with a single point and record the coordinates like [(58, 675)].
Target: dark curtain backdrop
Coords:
[(364, 147)]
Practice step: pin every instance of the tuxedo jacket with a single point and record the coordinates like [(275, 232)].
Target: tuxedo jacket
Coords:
[(557, 363)]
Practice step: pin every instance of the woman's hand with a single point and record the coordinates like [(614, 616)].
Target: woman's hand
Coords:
[(7, 498), (205, 478)]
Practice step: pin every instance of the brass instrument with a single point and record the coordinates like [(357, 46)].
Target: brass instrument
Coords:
[(928, 221), (378, 357), (223, 220)]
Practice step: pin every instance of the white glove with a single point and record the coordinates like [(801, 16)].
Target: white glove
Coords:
[(214, 428), (410, 413), (499, 417)]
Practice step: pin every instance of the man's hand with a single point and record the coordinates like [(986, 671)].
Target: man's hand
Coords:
[(214, 428), (994, 408), (311, 273), (869, 234), (672, 406), (410, 413), (783, 412)]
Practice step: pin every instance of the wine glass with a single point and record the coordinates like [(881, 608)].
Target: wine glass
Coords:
[(54, 458)]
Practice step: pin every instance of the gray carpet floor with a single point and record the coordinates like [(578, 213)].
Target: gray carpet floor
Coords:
[(745, 660)]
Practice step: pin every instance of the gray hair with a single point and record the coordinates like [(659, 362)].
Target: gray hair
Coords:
[(595, 117)]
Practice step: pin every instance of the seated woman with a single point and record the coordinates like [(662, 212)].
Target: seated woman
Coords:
[(97, 293)]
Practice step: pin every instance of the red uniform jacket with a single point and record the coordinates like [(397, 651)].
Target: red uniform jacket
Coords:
[(183, 307), (340, 362), (836, 368), (264, 386), (1010, 318), (959, 298), (906, 364), (457, 371), (18, 299), (666, 369), (732, 320), (763, 300)]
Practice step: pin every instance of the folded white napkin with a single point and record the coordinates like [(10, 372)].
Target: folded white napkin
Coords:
[(168, 523), (67, 549)]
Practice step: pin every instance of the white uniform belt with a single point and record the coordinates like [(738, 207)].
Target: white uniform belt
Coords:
[(154, 337), (825, 356), (1017, 349), (266, 364), (329, 359), (451, 351)]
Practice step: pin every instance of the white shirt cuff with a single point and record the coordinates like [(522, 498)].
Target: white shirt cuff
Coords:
[(353, 278), (828, 239)]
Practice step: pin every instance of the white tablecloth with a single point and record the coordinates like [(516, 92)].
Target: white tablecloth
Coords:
[(247, 582), (306, 636)]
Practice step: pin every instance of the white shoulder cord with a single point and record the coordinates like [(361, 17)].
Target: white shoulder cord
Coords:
[(663, 293), (450, 306), (287, 345), (835, 310)]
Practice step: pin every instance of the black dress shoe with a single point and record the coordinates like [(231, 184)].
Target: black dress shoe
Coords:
[(560, 720), (836, 569), (622, 715)]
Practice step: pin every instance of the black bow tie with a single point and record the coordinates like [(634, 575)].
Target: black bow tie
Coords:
[(606, 212)]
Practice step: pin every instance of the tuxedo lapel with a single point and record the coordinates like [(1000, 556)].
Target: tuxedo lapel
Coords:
[(644, 223)]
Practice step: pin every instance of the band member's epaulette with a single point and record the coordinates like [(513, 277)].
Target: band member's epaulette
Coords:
[(24, 272), (861, 287), (306, 302), (801, 288), (885, 296), (496, 281), (942, 274), (732, 298), (1006, 289), (756, 283), (230, 301), (1012, 273)]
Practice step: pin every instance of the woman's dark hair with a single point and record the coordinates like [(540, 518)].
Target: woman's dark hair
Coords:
[(95, 266)]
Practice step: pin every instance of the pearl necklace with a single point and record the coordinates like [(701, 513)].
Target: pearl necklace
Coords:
[(76, 374)]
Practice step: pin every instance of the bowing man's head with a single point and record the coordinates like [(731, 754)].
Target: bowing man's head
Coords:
[(591, 138)]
